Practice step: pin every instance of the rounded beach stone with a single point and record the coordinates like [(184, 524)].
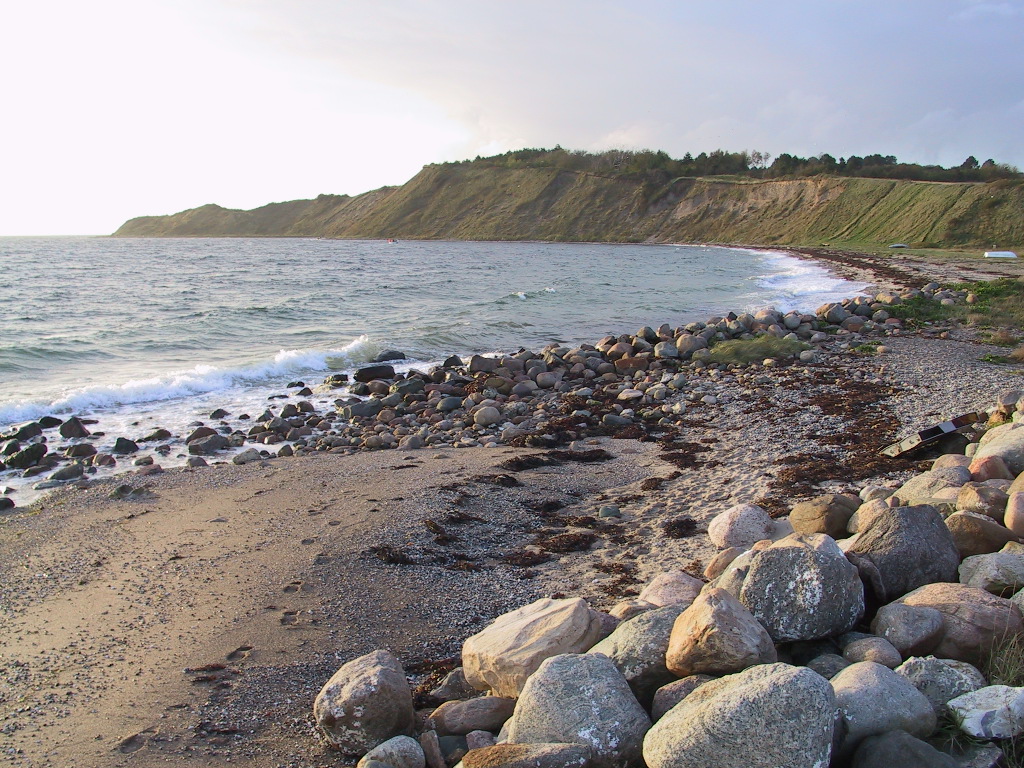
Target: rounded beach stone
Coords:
[(873, 699), (976, 534), (973, 620), (827, 514), (876, 649), (989, 468), (1013, 518), (740, 526), (912, 630), (925, 485), (716, 635), (487, 416), (484, 713), (604, 716), (1001, 573), (366, 702), (1006, 442), (766, 716), (638, 647), (671, 588), (505, 653), (951, 460), (721, 561), (399, 752), (803, 588), (982, 499), (528, 756), (941, 679), (828, 665)]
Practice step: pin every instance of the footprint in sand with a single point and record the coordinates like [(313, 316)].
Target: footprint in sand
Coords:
[(241, 652), (135, 742), (297, 586), (290, 618)]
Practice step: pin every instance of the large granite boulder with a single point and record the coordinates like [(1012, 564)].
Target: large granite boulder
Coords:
[(827, 514), (717, 635), (973, 620), (638, 647), (484, 713), (528, 756), (366, 702), (993, 712), (873, 699), (941, 679), (767, 716), (505, 653), (898, 550), (802, 587), (581, 699), (1006, 442), (398, 752), (666, 697)]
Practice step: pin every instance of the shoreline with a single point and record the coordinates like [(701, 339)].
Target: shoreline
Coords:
[(268, 570)]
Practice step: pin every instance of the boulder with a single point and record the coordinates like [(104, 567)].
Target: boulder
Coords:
[(371, 372), (454, 686), (827, 514), (1001, 573), (669, 695), (484, 713), (912, 630), (982, 499), (927, 484), (973, 620), (721, 561), (365, 703), (989, 468), (603, 715), (1013, 517), (766, 716), (899, 748), (740, 526), (873, 699), (638, 646), (73, 428), (876, 649), (898, 550), (941, 679), (528, 756), (27, 457), (203, 446), (671, 588), (505, 653), (993, 712), (686, 345), (802, 587), (399, 752), (977, 534), (717, 635), (1006, 442), (247, 456)]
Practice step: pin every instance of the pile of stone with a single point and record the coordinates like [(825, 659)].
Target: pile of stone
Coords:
[(844, 634), (629, 382)]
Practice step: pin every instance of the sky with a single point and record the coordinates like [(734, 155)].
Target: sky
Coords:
[(111, 109)]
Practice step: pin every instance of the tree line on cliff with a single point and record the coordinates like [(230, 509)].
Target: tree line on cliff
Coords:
[(755, 164)]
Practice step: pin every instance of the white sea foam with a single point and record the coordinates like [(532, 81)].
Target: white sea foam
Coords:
[(797, 284), (192, 382)]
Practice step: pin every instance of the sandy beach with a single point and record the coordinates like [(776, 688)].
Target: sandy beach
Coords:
[(191, 617)]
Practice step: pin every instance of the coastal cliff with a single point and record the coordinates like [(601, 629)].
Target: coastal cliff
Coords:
[(470, 201)]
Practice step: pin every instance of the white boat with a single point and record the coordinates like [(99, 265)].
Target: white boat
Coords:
[(1000, 255)]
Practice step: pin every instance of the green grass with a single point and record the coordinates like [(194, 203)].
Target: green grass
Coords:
[(866, 349), (747, 351)]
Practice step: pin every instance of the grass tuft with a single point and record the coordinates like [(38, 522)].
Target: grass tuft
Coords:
[(747, 351)]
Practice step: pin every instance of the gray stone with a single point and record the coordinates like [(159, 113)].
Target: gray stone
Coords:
[(827, 514), (1006, 442), (123, 446), (27, 457), (828, 665), (484, 713), (899, 748), (803, 588), (73, 428), (873, 699), (364, 409), (686, 345), (247, 456), (605, 715), (898, 550), (768, 716), (454, 686), (203, 446), (671, 588), (68, 472), (982, 499), (365, 703), (912, 630), (941, 679), (487, 416), (875, 649), (976, 534), (638, 647)]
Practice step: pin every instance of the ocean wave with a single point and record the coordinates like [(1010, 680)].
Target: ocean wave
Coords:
[(797, 284), (200, 380)]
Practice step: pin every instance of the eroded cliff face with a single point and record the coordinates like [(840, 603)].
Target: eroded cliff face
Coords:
[(468, 202)]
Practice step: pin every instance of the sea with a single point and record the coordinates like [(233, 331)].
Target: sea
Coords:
[(136, 334)]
